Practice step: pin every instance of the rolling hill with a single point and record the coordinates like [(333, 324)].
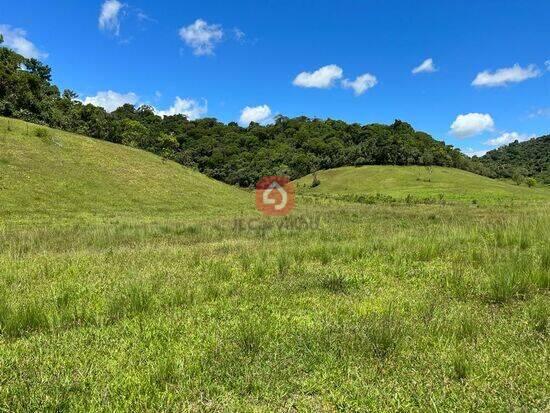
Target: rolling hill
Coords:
[(53, 173), (400, 181), (530, 158), (125, 285)]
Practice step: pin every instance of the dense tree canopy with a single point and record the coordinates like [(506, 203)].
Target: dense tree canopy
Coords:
[(228, 152), (521, 159)]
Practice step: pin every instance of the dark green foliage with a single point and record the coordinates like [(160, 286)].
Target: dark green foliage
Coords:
[(41, 133), (316, 181), (239, 156), (518, 178), (521, 159)]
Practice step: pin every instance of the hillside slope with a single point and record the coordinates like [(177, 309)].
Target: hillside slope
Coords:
[(60, 173), (529, 158), (400, 181)]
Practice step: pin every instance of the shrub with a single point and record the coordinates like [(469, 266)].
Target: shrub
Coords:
[(41, 133), (360, 161), (518, 178), (531, 182), (316, 182)]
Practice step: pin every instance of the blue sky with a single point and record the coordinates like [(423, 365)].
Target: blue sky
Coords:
[(488, 81)]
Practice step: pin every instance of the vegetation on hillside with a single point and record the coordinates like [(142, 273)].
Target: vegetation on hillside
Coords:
[(521, 160), (230, 153), (427, 184), (59, 174), (347, 307), (128, 283)]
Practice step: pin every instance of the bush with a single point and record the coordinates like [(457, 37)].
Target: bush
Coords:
[(41, 133), (316, 182), (360, 161), (531, 182), (518, 178)]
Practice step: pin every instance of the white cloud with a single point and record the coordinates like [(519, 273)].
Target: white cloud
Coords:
[(427, 66), (472, 152), (502, 77), (239, 34), (16, 39), (188, 107), (322, 78), (541, 112), (361, 84), (547, 64), (471, 124), (109, 16), (110, 100), (508, 137), (202, 37), (255, 114)]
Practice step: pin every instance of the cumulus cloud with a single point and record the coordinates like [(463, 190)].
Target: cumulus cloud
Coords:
[(322, 78), (472, 124), (188, 107), (473, 152), (202, 37), (508, 137), (361, 84), (547, 64), (256, 114), (503, 77), (16, 39), (427, 66), (109, 17), (110, 100)]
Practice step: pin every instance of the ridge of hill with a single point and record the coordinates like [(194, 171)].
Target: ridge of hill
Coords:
[(53, 173), (417, 181), (521, 159)]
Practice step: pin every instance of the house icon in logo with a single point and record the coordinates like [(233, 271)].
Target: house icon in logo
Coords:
[(268, 199), (275, 195)]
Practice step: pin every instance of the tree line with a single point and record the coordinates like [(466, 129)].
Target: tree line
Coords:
[(521, 161), (227, 152)]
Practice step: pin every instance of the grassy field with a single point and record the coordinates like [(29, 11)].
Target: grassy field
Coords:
[(54, 174), (145, 298), (418, 181)]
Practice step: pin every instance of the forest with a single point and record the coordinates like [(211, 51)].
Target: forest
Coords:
[(521, 159), (239, 155)]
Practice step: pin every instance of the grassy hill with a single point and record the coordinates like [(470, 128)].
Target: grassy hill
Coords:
[(400, 181), (143, 305), (52, 173)]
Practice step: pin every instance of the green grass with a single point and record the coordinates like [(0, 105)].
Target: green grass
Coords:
[(417, 181), (340, 307), (46, 172)]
